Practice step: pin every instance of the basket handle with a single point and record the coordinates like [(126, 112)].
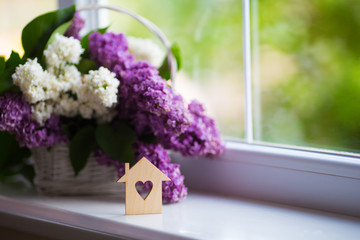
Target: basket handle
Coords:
[(151, 26)]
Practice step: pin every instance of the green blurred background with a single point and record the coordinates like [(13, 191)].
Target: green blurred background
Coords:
[(309, 63)]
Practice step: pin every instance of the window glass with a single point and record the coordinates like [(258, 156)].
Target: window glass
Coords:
[(209, 33), (307, 72), (14, 15)]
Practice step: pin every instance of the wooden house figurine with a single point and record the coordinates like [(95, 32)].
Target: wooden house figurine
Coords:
[(143, 171)]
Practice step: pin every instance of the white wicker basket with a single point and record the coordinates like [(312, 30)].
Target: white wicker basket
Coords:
[(55, 175)]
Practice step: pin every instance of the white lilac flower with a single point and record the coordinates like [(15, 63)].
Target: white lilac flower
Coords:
[(86, 111), (100, 86), (52, 87), (98, 94), (61, 90), (63, 50), (66, 105), (70, 79), (41, 112), (35, 83), (93, 109), (146, 49)]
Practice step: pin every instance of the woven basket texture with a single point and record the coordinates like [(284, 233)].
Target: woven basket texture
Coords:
[(55, 175)]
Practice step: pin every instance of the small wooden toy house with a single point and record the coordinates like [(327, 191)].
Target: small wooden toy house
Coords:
[(143, 171)]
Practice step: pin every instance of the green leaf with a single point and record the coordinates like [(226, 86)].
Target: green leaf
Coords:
[(7, 143), (81, 147), (164, 69), (66, 128), (71, 125), (12, 157), (150, 138), (60, 30), (175, 49), (36, 34), (10, 89), (2, 65), (85, 40), (14, 60), (6, 83), (117, 142), (85, 65)]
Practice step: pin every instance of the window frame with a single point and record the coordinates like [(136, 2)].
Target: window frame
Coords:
[(310, 178)]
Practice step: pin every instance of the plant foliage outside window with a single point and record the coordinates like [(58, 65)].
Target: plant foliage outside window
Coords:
[(309, 71)]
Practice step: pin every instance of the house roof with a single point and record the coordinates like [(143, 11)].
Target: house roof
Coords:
[(143, 171)]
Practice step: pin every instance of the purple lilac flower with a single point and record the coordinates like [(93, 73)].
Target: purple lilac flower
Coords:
[(202, 138), (110, 50), (15, 117), (75, 27), (172, 191), (147, 100), (144, 97), (33, 135), (13, 110), (151, 105)]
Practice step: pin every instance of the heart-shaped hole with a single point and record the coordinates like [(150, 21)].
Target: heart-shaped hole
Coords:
[(144, 189)]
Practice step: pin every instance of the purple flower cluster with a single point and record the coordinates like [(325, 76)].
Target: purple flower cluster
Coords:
[(151, 106), (13, 110), (201, 138), (15, 117), (145, 100), (172, 191), (76, 25), (110, 50), (149, 103)]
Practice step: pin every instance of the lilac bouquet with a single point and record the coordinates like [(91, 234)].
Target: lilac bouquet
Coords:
[(103, 93)]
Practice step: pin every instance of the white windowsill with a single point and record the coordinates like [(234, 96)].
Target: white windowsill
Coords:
[(316, 180), (200, 216), (319, 181)]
